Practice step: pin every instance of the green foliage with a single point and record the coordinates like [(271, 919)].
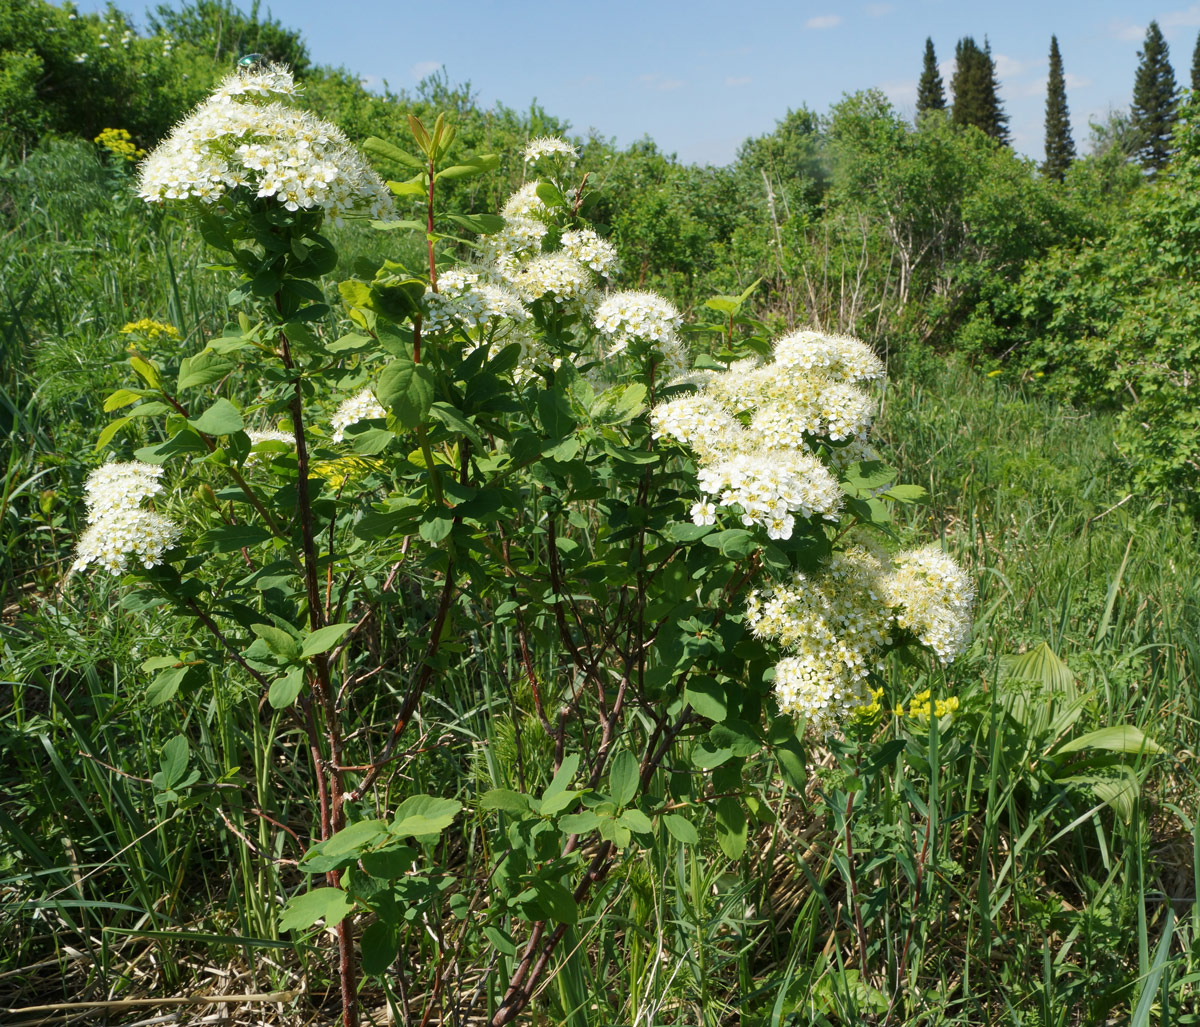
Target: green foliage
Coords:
[(222, 29), (974, 85), (1154, 97), (1060, 147), (931, 94)]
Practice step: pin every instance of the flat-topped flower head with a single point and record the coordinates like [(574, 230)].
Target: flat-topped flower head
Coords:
[(525, 203), (591, 251), (362, 406), (557, 275), (118, 487), (836, 357), (236, 146), (932, 597), (551, 147), (112, 540), (635, 315), (466, 300)]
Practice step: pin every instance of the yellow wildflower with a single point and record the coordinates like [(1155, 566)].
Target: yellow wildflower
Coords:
[(150, 330), (120, 144)]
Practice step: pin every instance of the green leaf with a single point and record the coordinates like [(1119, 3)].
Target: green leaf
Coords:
[(284, 689), (558, 902), (414, 186), (203, 369), (280, 642), (222, 418), (328, 904), (1123, 738), (380, 948), (555, 802), (120, 398), (636, 821), (475, 166), (681, 829), (165, 684), (229, 538), (323, 639), (146, 371), (353, 839), (421, 815), (550, 195), (624, 777), (579, 823), (554, 412), (906, 493), (731, 827), (389, 151), (505, 799), (406, 388), (707, 698), (500, 941), (109, 430), (566, 772), (174, 760), (484, 224)]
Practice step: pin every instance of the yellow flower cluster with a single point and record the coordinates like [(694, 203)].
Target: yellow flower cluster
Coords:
[(919, 707), (150, 330), (120, 144)]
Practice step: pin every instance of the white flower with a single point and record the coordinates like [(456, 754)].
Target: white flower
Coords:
[(557, 275), (120, 487), (234, 141), (464, 300), (271, 435), (591, 251), (704, 512), (550, 146), (110, 541), (932, 597), (362, 406), (525, 203), (646, 316)]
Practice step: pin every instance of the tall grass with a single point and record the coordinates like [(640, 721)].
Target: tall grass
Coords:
[(990, 888)]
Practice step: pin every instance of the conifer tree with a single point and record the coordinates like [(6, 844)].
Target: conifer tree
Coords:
[(931, 94), (1060, 147), (1196, 64), (1153, 112), (975, 90)]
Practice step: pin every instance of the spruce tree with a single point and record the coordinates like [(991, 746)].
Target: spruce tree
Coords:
[(1153, 112), (931, 94), (1060, 148), (1196, 64), (974, 86)]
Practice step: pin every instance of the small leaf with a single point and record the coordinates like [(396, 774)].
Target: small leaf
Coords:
[(731, 827), (562, 779), (504, 799), (323, 639), (579, 823), (707, 698), (283, 690), (379, 948), (421, 815), (558, 902), (109, 430), (636, 821), (681, 829), (120, 398), (389, 151), (407, 389), (623, 777), (328, 904), (280, 642), (500, 941), (165, 684), (174, 760), (222, 418)]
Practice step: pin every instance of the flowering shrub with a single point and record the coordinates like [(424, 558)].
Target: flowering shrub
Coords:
[(496, 446)]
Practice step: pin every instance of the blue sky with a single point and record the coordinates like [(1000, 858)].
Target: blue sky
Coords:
[(699, 76)]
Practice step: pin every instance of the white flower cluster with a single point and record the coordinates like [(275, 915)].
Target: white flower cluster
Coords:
[(271, 435), (558, 275), (932, 598), (117, 523), (631, 315), (525, 203), (550, 146), (362, 406), (462, 299), (236, 141), (752, 426), (834, 623), (591, 251)]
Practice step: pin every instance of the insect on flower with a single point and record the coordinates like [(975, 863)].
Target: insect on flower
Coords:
[(250, 60)]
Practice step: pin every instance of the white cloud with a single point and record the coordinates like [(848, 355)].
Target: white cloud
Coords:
[(1189, 18), (369, 82), (743, 80), (423, 69), (879, 10), (1127, 31), (824, 21), (1008, 67), (1076, 81), (900, 93), (663, 85)]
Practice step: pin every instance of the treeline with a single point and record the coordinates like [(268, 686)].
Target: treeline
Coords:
[(921, 237)]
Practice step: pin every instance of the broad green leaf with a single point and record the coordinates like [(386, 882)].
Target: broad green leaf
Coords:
[(406, 388), (636, 821), (484, 224), (504, 799), (421, 815), (579, 823), (1042, 665), (681, 828), (174, 759), (906, 493), (282, 643), (109, 430), (389, 151), (555, 802), (328, 904), (500, 941), (120, 398), (146, 371), (380, 948), (731, 827), (284, 689), (354, 838), (707, 698), (558, 902), (1123, 738), (222, 418), (323, 639), (203, 369), (229, 538), (475, 166), (566, 772), (165, 684), (623, 777)]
